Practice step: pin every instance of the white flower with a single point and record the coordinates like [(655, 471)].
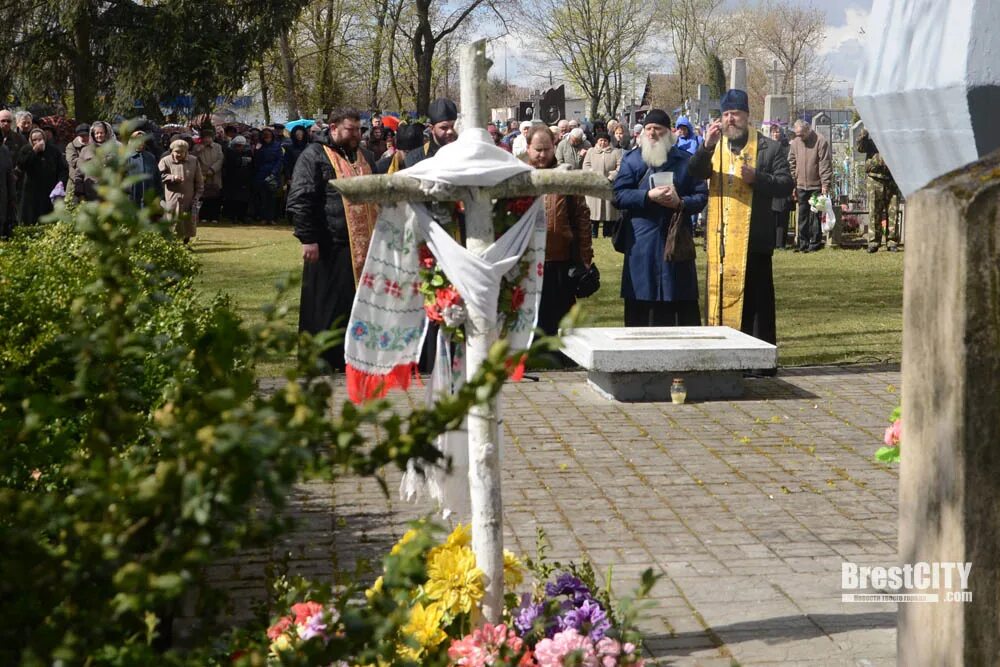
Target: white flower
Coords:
[(454, 315)]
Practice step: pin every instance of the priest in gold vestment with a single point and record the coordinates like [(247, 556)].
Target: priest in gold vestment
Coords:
[(746, 170)]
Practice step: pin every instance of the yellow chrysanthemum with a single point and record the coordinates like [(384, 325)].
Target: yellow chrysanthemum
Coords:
[(407, 536), (513, 570), (454, 580), (423, 627), (374, 590), (460, 537)]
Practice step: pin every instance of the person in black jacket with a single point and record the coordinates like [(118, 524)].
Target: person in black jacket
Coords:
[(332, 236), (237, 179), (747, 171), (43, 166), (8, 193), (781, 206)]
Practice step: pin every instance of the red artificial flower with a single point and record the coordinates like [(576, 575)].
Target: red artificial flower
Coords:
[(426, 257), (279, 628), (305, 610), (520, 206), (517, 297), (446, 296), (433, 314)]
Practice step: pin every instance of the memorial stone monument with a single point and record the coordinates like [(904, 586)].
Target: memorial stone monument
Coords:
[(777, 105), (927, 92), (738, 74)]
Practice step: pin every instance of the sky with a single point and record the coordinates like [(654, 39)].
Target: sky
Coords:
[(842, 47)]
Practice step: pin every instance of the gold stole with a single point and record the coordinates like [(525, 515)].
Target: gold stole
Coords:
[(730, 199), (360, 217), (396, 164)]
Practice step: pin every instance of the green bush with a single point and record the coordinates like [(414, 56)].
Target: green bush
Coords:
[(136, 447)]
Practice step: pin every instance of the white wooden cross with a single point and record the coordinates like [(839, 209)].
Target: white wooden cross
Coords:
[(484, 454)]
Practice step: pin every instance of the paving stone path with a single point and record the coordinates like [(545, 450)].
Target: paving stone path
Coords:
[(748, 506)]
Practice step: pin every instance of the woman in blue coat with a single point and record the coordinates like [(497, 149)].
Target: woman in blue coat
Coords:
[(656, 292), (268, 159)]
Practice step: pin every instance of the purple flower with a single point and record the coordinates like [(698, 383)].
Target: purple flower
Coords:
[(567, 584), (588, 619), (527, 614)]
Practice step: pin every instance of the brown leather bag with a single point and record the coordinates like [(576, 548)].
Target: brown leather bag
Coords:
[(679, 246)]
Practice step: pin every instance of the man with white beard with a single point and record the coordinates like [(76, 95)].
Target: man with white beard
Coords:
[(654, 191), (747, 170)]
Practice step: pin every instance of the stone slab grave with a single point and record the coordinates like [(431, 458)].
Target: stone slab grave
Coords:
[(640, 363)]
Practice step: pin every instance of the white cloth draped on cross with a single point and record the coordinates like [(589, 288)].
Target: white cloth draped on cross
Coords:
[(388, 321)]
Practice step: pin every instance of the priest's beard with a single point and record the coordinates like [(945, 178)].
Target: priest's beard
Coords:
[(654, 152), (736, 134)]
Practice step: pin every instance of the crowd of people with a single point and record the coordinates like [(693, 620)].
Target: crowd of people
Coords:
[(667, 177)]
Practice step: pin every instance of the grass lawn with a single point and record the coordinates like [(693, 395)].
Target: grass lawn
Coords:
[(834, 306)]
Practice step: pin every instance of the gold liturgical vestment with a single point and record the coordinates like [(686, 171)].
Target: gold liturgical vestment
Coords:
[(729, 205)]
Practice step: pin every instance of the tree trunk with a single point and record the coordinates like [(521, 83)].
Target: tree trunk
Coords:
[(423, 54), (263, 93), (288, 66), (84, 86), (325, 87), (380, 41)]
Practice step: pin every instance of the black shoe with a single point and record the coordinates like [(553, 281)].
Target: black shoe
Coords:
[(872, 247), (893, 248), (796, 249), (816, 248)]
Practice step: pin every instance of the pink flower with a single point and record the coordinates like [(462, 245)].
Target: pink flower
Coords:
[(894, 434), (304, 610), (279, 628), (485, 646), (612, 653), (553, 652)]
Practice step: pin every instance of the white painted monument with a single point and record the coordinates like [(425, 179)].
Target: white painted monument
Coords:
[(928, 88), (639, 363)]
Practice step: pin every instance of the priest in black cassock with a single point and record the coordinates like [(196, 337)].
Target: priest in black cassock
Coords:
[(442, 113), (334, 234)]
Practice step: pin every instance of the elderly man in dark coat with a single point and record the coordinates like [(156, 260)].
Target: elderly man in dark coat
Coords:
[(443, 114), (657, 292)]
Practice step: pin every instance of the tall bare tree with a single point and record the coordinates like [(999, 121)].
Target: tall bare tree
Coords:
[(591, 41), (428, 34), (791, 34), (688, 24)]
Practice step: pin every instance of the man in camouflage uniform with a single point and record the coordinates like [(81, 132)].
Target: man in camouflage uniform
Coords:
[(883, 197)]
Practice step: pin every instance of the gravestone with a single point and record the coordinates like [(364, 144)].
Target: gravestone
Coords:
[(777, 105), (928, 90), (738, 74), (639, 363), (949, 486)]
